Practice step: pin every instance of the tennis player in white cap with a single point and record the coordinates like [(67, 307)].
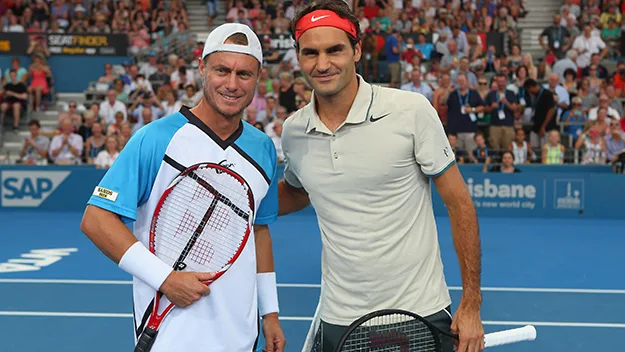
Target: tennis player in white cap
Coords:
[(224, 317)]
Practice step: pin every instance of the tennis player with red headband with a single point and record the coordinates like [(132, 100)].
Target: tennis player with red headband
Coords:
[(363, 156)]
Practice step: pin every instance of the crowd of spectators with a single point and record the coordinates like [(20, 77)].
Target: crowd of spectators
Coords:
[(496, 100)]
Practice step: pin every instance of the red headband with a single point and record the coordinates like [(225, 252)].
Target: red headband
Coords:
[(324, 18)]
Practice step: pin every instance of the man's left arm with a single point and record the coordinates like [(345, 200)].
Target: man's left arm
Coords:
[(465, 232), (265, 273), (437, 161)]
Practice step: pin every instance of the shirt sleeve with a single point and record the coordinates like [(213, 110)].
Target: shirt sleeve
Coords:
[(431, 146), (290, 177), (126, 185), (268, 209)]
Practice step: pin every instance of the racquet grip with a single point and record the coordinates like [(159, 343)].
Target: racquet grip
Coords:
[(146, 340), (526, 333)]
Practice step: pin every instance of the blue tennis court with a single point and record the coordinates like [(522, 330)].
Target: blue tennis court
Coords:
[(564, 276)]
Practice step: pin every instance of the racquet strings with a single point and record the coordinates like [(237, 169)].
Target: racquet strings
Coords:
[(183, 211), (391, 333)]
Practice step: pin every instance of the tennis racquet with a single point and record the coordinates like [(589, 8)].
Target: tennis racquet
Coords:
[(201, 224), (401, 331)]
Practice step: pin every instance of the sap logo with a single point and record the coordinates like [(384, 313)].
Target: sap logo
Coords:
[(488, 190), (29, 188)]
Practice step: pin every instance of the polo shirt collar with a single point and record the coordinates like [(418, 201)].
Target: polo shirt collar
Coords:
[(358, 113)]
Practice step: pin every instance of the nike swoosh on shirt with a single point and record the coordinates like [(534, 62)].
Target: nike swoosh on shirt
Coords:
[(374, 119), (313, 19)]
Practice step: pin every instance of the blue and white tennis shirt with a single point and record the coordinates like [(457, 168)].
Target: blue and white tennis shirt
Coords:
[(227, 319)]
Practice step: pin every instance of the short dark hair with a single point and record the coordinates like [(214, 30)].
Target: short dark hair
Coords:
[(508, 152), (530, 83), (237, 38), (339, 7), (34, 122)]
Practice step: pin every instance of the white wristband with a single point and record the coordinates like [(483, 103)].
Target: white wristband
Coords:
[(139, 262), (267, 293)]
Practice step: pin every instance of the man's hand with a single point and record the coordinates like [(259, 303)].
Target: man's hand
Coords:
[(467, 324), (274, 337), (182, 289)]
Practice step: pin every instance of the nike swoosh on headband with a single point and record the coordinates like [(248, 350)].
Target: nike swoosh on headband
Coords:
[(313, 19)]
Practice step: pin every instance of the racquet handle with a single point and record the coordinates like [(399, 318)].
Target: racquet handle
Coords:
[(526, 333), (146, 340)]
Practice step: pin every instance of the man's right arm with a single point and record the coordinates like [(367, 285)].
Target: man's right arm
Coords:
[(106, 230), (291, 199)]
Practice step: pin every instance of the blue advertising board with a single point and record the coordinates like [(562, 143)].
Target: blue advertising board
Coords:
[(535, 192)]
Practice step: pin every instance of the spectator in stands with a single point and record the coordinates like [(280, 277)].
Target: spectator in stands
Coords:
[(595, 61), (543, 109), (287, 94), (501, 104), (520, 148), (125, 132), (560, 94), (277, 139), (191, 96), (21, 73), (507, 164), (39, 73), (574, 118), (120, 89), (170, 105), (604, 103), (14, 98), (593, 146), (212, 6), (71, 113), (109, 75), (95, 143), (480, 154), (85, 128), (453, 143), (463, 105), (614, 103), (416, 86), (281, 116), (566, 63), (160, 77), (586, 44), (147, 115), (110, 107), (614, 142), (573, 8), (451, 60), (67, 147), (151, 67), (424, 47), (463, 68), (553, 150), (441, 94), (35, 149), (602, 124), (269, 113), (558, 38), (107, 157), (140, 102)]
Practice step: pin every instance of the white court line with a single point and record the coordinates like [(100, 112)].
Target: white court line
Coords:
[(451, 288), (291, 318)]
